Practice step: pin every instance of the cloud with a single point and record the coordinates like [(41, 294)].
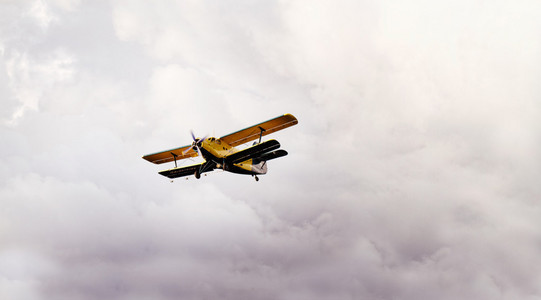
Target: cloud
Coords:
[(412, 172)]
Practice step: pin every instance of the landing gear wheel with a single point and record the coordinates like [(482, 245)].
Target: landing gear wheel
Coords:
[(197, 174), (256, 178)]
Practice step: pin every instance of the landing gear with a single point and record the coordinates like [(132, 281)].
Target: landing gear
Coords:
[(256, 178), (197, 174)]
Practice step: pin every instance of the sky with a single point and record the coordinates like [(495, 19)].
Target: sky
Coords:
[(412, 174)]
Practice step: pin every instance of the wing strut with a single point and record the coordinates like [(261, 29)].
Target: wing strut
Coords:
[(204, 167), (175, 158), (261, 133)]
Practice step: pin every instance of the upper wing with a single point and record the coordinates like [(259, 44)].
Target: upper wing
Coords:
[(253, 132), (169, 155)]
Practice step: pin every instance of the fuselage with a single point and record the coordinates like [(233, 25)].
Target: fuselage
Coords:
[(215, 150)]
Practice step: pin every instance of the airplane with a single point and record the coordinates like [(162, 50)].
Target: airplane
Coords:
[(220, 153)]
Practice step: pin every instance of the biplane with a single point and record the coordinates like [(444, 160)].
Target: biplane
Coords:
[(220, 153)]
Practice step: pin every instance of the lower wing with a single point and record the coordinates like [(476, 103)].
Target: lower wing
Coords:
[(272, 155), (188, 170), (253, 152)]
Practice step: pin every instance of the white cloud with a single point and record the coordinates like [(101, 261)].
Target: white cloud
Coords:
[(412, 172), (30, 79)]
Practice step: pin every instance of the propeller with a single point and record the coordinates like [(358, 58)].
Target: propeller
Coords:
[(196, 143)]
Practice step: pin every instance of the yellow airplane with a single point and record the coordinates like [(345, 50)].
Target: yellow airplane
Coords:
[(220, 153)]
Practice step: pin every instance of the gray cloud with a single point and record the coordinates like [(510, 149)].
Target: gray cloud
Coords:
[(411, 175)]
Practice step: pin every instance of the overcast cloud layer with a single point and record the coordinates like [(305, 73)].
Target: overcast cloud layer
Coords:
[(413, 173)]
